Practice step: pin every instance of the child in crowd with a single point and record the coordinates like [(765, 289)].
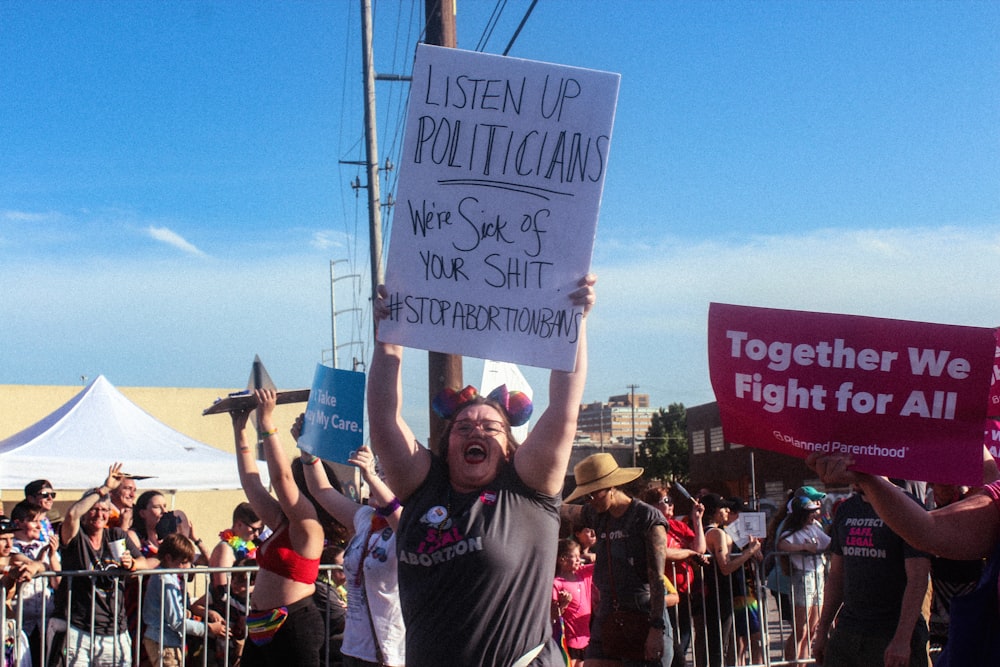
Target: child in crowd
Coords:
[(331, 599), (163, 610), (586, 538), (37, 596), (231, 602), (572, 599)]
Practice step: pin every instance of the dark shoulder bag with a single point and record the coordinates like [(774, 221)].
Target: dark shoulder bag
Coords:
[(624, 631)]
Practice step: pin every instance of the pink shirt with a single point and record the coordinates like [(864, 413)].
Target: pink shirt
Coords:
[(577, 614)]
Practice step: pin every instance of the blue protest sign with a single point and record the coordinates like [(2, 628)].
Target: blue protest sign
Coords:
[(334, 415)]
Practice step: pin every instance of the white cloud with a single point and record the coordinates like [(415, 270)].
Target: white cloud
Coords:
[(27, 216), (172, 238), (326, 240), (173, 322)]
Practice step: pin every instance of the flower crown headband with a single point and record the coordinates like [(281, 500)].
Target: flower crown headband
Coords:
[(516, 404)]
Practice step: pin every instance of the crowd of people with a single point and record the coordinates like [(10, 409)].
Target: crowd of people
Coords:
[(468, 554), (618, 548)]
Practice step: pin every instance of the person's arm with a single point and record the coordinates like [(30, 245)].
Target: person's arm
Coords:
[(917, 575), (833, 598), (698, 544), (719, 546), (55, 560), (186, 528), (332, 500), (677, 554), (405, 462), (222, 556), (71, 522), (380, 492), (542, 459), (175, 616), (656, 562), (305, 531), (264, 504), (125, 518), (785, 544), (133, 559), (964, 530), (672, 598), (28, 567)]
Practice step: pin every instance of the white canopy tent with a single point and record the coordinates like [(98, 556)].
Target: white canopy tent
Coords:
[(73, 447)]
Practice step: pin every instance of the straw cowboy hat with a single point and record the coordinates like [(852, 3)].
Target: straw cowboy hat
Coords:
[(600, 471)]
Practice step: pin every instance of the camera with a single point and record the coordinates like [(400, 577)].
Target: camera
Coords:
[(166, 525)]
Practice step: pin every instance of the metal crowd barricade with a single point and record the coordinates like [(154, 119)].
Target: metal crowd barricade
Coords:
[(199, 585), (794, 590), (723, 632)]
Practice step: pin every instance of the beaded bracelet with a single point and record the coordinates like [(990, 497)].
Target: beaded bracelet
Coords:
[(268, 434), (388, 509)]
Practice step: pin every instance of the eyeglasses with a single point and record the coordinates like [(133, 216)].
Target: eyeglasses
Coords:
[(665, 500), (597, 494), (255, 529), (465, 427), (46, 494)]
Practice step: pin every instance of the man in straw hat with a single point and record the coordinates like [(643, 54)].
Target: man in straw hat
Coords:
[(631, 553)]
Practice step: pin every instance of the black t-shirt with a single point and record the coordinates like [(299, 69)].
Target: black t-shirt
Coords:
[(108, 591), (476, 571), (624, 538), (874, 568)]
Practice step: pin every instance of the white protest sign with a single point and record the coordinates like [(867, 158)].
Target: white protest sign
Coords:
[(500, 186)]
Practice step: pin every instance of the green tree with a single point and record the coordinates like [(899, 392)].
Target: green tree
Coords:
[(664, 451)]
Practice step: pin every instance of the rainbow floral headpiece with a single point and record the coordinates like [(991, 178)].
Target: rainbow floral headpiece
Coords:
[(516, 404)]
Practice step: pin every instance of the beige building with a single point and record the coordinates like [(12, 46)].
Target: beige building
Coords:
[(612, 422), (178, 408)]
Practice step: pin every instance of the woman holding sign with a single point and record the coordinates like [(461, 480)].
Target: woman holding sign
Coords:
[(284, 626), (374, 632), (478, 535)]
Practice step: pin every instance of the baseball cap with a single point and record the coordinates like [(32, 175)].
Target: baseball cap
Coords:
[(809, 492)]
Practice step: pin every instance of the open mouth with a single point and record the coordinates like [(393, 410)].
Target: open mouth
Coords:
[(475, 453)]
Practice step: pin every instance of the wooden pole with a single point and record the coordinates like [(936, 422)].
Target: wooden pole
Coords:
[(443, 370)]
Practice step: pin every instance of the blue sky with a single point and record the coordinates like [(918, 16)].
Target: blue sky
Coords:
[(172, 185)]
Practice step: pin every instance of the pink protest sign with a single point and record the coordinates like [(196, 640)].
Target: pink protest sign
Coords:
[(993, 437), (994, 407), (905, 399)]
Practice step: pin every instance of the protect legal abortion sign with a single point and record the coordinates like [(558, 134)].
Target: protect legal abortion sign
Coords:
[(904, 399), (502, 171)]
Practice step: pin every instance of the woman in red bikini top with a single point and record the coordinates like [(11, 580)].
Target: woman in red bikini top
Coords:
[(284, 625)]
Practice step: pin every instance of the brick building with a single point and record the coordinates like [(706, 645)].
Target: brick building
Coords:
[(731, 469), (611, 422)]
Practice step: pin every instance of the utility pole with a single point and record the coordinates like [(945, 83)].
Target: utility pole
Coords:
[(632, 388), (443, 370), (371, 152)]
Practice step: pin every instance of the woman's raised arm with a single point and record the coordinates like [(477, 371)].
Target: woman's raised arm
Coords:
[(332, 500), (542, 460), (964, 530), (405, 462), (263, 503)]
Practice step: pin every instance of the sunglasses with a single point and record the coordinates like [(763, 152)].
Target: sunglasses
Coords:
[(46, 494), (665, 501), (597, 494)]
